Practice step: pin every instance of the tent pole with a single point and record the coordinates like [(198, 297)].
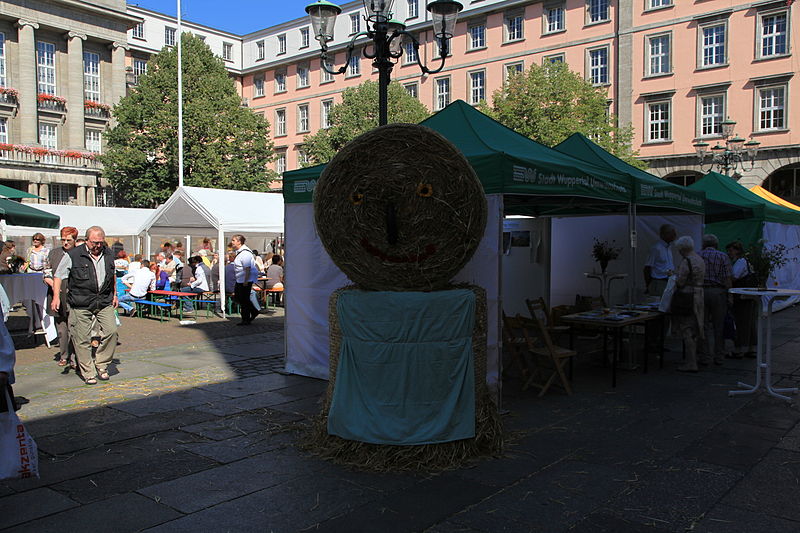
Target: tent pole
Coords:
[(632, 231), (147, 244), (223, 256), (188, 251)]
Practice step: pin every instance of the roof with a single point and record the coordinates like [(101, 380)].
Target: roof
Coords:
[(725, 189), (114, 220), (193, 210), (774, 198)]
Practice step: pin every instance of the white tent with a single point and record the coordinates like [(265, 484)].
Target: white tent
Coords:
[(194, 211), (116, 221)]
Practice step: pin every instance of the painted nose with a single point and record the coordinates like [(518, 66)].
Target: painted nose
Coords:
[(391, 224)]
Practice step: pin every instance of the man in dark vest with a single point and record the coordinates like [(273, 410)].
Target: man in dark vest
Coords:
[(92, 296), (68, 236)]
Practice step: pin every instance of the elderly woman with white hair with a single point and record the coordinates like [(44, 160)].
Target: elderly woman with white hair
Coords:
[(689, 277)]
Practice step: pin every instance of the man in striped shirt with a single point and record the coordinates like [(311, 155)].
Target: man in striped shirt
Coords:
[(716, 283)]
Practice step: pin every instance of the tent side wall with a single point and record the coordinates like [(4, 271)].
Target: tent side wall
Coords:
[(312, 277)]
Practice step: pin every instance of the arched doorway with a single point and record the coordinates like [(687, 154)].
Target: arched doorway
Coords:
[(683, 177), (785, 182)]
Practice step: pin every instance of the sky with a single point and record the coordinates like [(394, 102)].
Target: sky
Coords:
[(236, 16)]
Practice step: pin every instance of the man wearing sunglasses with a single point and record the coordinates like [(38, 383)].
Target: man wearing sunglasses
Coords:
[(61, 317), (92, 295)]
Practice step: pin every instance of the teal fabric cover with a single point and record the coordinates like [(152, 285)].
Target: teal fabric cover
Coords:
[(406, 373)]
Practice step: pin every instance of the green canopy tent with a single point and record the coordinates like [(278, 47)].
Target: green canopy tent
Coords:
[(18, 214), (722, 188), (15, 194)]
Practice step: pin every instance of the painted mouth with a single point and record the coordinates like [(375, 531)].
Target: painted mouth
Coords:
[(411, 258)]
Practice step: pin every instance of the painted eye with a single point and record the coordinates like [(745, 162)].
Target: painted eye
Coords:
[(425, 190), (356, 198)]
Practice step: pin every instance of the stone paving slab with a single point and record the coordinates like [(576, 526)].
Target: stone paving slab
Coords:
[(119, 514), (25, 506), (733, 519), (163, 403)]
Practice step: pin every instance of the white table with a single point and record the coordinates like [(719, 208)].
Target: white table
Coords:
[(765, 298), (605, 279), (31, 291)]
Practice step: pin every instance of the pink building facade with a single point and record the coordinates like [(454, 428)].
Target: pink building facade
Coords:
[(672, 69)]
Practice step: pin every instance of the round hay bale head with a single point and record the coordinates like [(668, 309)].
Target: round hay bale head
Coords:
[(400, 208)]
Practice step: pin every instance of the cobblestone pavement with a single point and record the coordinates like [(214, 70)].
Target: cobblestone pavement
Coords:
[(202, 436)]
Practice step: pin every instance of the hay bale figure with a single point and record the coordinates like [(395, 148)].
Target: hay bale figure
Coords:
[(400, 211)]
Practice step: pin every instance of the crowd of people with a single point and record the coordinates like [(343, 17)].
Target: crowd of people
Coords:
[(87, 279), (716, 314)]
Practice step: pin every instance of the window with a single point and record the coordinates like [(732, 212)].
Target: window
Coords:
[(655, 4), (477, 86), (354, 67), (48, 136), (658, 121), (302, 156), (773, 34), (476, 36), (46, 67), (327, 77), (201, 37), (93, 141), (555, 58), (280, 81), (138, 31), (280, 162), (355, 23), (410, 53), (2, 59), (325, 113), (91, 76), (302, 118), (302, 76), (442, 97), (281, 44), (772, 108), (258, 86), (514, 68), (712, 113), (4, 130), (139, 69), (658, 50), (514, 27), (713, 45), (63, 193), (554, 19), (280, 122), (598, 66), (304, 41), (260, 53), (413, 8), (104, 196), (597, 11), (412, 89), (227, 51), (169, 36)]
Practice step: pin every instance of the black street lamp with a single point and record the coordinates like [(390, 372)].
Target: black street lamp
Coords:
[(732, 155), (385, 34)]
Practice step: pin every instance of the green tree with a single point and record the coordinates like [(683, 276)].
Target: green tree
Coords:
[(358, 113), (226, 145), (549, 103)]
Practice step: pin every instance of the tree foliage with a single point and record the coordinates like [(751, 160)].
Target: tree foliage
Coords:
[(358, 113), (549, 103), (226, 145)]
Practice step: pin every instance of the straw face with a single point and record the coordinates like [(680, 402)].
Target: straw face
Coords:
[(400, 208)]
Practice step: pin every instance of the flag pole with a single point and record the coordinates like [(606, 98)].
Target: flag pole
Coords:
[(180, 100)]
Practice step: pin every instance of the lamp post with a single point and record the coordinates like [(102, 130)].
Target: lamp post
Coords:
[(731, 156), (386, 35)]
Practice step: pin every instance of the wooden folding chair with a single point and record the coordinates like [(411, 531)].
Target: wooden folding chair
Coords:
[(550, 357), (517, 345), (550, 323)]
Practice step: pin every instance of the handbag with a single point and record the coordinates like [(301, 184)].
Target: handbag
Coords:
[(682, 303), (19, 456)]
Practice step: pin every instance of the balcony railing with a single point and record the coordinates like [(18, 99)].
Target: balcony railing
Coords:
[(53, 106), (28, 158), (96, 112), (8, 99)]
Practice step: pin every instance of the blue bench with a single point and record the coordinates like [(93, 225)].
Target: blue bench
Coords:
[(161, 306)]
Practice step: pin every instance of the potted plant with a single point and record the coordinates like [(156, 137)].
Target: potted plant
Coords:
[(604, 251), (765, 259)]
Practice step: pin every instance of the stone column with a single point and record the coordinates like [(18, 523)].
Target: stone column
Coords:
[(117, 72), (28, 117), (623, 99), (75, 97), (81, 199), (44, 192), (91, 198)]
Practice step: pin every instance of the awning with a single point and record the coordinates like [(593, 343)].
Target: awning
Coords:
[(16, 194), (19, 214)]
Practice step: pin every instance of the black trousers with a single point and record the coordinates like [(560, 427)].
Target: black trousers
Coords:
[(241, 293), (3, 404)]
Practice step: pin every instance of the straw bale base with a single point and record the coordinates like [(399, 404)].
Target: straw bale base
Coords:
[(488, 440)]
